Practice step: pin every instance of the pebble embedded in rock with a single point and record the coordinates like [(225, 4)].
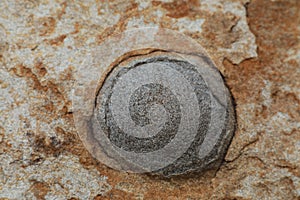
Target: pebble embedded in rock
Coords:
[(161, 116)]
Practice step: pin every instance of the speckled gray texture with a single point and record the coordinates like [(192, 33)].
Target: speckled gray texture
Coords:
[(143, 106)]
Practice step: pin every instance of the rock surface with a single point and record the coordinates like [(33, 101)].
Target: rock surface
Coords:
[(254, 43)]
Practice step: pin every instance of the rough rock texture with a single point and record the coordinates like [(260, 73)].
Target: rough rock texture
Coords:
[(254, 43)]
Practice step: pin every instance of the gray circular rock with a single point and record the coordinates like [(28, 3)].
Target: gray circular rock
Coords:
[(164, 114), (150, 100)]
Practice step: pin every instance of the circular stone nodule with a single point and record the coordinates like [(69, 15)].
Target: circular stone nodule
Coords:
[(164, 115)]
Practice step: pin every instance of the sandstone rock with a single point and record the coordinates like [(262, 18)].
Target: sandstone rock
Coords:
[(255, 45)]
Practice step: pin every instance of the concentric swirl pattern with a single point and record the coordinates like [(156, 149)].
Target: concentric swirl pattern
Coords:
[(165, 111), (155, 112)]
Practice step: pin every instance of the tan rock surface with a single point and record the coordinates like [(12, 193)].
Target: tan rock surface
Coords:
[(42, 44)]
